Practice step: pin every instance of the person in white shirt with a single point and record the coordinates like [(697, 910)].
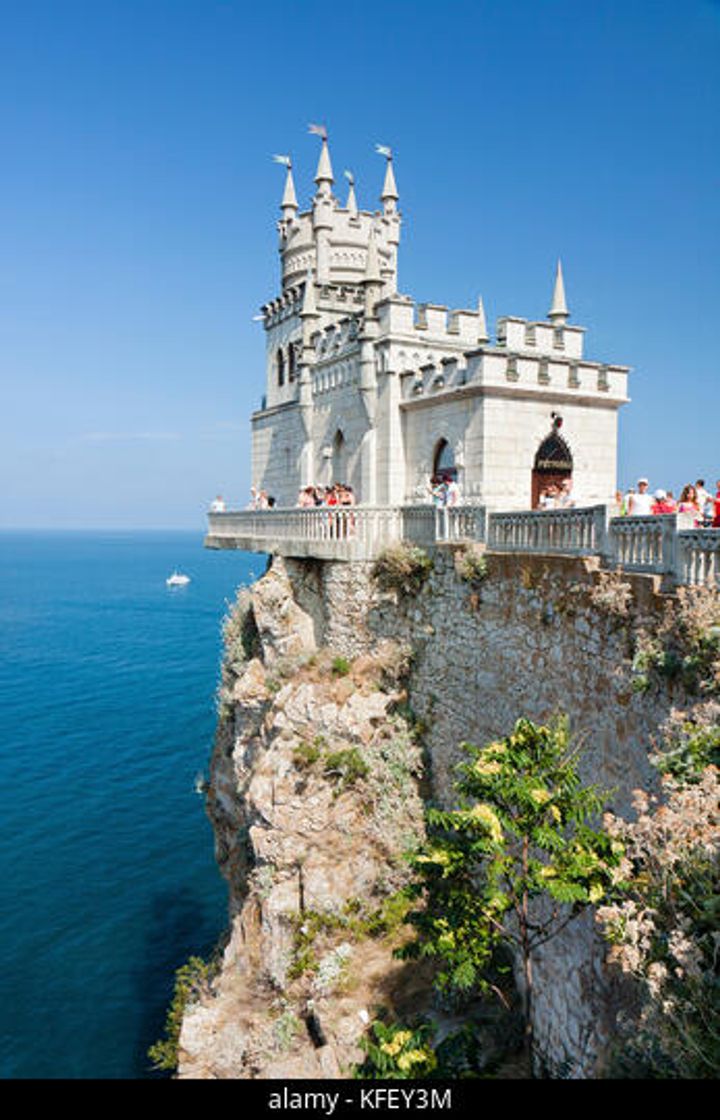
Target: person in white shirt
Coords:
[(705, 500), (641, 503), (565, 499), (452, 494), (217, 505)]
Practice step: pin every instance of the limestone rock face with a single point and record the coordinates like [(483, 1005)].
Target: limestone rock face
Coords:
[(284, 630), (313, 796)]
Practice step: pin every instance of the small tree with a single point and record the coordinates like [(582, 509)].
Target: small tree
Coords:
[(513, 864), (192, 981)]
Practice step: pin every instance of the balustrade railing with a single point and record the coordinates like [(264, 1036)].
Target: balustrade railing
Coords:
[(698, 557), (369, 526), (661, 545), (578, 532), (460, 523), (643, 544)]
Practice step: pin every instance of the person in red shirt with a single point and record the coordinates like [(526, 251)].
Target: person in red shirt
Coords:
[(716, 518), (661, 503)]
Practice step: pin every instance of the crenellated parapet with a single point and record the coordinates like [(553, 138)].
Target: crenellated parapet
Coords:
[(284, 307)]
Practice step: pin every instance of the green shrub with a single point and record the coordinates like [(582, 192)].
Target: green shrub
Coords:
[(509, 868), (192, 981), (340, 667), (307, 927), (403, 568), (689, 746), (394, 1052), (346, 767), (472, 567), (306, 754), (388, 917), (286, 1029), (684, 647)]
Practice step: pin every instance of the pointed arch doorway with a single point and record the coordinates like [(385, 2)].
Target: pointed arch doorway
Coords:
[(553, 462)]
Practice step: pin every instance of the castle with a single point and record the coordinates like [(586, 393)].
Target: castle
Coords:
[(365, 387)]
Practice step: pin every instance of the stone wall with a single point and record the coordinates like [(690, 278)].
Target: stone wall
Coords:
[(541, 635)]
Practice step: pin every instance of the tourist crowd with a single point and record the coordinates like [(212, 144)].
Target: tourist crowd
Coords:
[(694, 500), (556, 496), (637, 501), (339, 494)]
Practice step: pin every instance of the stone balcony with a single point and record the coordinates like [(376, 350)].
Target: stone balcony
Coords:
[(667, 546), (337, 533)]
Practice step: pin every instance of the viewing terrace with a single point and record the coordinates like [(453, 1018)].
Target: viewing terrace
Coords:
[(664, 545)]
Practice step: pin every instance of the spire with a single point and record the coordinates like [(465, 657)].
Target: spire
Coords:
[(289, 199), (324, 173), (482, 323), (389, 194), (289, 205), (558, 313), (351, 200)]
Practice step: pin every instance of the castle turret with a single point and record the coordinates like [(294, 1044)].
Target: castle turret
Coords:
[(391, 218), (351, 204), (323, 207), (389, 196), (483, 335), (309, 315), (558, 313), (289, 204), (324, 175)]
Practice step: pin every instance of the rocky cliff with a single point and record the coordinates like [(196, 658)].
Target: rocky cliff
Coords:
[(317, 786), (314, 797)]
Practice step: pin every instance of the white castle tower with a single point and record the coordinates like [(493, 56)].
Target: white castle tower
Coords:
[(366, 388)]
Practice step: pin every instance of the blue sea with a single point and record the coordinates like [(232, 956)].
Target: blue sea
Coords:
[(107, 715)]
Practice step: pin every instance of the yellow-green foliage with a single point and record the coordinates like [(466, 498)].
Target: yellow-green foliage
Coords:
[(192, 981), (512, 864), (356, 922), (345, 767), (471, 566), (342, 767), (403, 568), (340, 667)]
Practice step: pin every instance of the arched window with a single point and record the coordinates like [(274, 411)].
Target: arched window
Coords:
[(291, 362), (280, 367), (444, 461), (339, 458)]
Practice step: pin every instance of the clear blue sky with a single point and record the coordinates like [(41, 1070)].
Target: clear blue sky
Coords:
[(138, 203)]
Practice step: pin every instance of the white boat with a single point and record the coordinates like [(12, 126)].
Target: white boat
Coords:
[(177, 579)]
